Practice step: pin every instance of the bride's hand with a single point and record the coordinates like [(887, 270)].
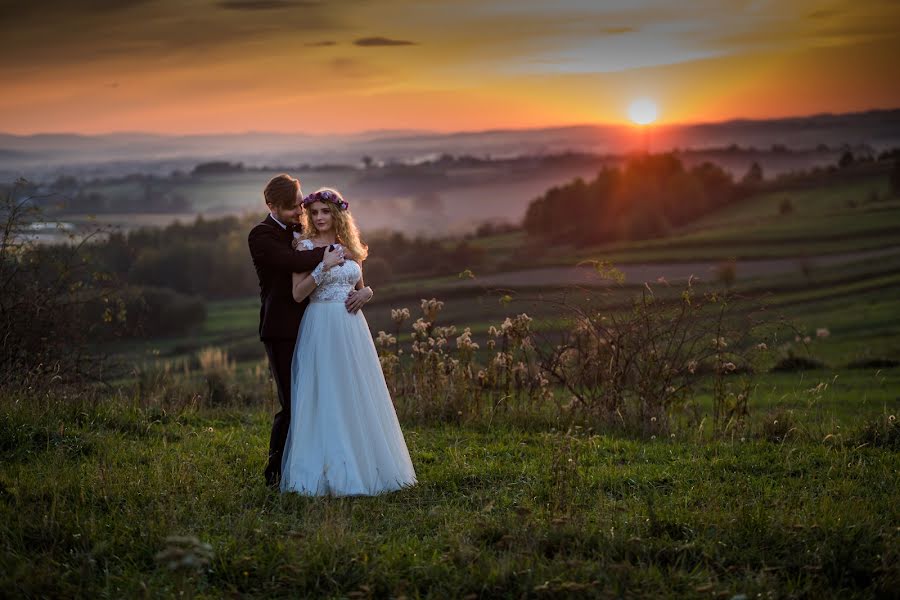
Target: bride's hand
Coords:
[(357, 298)]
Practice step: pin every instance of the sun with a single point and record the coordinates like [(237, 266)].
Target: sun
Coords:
[(643, 111)]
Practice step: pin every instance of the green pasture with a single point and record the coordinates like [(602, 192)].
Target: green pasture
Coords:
[(90, 493), (798, 500), (858, 303), (871, 194), (842, 218)]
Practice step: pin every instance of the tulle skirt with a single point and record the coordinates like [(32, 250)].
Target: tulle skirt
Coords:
[(344, 438)]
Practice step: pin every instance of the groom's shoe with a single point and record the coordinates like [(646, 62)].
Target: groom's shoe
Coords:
[(273, 480)]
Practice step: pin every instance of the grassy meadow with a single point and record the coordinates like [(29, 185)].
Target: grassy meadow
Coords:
[(798, 500), (90, 493)]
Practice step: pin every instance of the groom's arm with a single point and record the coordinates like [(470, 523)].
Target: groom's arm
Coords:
[(267, 249), (359, 296)]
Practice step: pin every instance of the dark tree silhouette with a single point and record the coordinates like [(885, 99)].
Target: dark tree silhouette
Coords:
[(754, 175), (644, 199), (895, 178), (846, 160)]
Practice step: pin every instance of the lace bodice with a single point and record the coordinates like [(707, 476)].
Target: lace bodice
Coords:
[(336, 282)]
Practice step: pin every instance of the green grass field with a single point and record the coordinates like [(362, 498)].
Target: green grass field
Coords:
[(88, 496), (857, 302), (800, 501), (838, 218)]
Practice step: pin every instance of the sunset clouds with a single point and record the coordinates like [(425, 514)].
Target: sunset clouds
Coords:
[(349, 65)]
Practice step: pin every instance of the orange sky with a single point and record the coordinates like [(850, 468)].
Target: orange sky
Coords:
[(349, 65)]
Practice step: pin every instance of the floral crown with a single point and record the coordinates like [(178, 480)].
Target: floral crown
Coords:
[(326, 196)]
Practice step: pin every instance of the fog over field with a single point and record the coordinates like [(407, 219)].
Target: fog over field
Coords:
[(51, 154), (418, 182)]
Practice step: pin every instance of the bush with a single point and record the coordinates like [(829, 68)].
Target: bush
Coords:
[(792, 362), (778, 425), (249, 349), (726, 272), (895, 179), (624, 370), (219, 372), (638, 367), (145, 310), (874, 363), (786, 207), (883, 432), (754, 175), (42, 292), (847, 160)]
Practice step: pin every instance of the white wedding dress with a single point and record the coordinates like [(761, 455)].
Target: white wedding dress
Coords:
[(344, 438)]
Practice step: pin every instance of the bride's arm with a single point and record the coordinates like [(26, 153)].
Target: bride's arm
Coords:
[(302, 285)]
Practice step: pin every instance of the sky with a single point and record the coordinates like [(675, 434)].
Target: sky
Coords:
[(343, 66)]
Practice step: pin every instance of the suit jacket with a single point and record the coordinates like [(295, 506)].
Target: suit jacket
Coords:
[(275, 260)]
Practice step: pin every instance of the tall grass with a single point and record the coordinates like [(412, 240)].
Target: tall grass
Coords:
[(547, 467), (103, 497)]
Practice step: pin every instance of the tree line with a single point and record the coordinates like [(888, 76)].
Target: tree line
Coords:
[(644, 198), (649, 195), (210, 258)]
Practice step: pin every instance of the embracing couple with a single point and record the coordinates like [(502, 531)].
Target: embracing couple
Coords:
[(337, 431)]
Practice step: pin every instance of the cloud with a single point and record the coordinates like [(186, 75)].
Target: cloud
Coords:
[(382, 41), (264, 4), (146, 33), (234, 54), (60, 10)]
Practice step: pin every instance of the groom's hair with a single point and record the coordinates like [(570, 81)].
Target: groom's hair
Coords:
[(281, 191)]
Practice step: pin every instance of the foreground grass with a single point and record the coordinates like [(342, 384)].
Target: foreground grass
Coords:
[(88, 495)]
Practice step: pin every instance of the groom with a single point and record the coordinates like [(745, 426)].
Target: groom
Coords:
[(279, 316)]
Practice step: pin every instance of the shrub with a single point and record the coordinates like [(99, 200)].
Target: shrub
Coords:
[(847, 160), (218, 370), (431, 381), (778, 425), (726, 272), (874, 363), (786, 207), (793, 362), (638, 366), (754, 175), (43, 289), (626, 369), (146, 309), (895, 178), (883, 432), (249, 349)]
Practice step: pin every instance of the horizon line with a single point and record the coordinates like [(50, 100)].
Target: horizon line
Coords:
[(425, 132)]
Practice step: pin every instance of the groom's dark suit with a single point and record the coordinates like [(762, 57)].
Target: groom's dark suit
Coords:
[(279, 318)]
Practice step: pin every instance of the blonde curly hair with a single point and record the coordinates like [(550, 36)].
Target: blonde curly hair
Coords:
[(345, 229)]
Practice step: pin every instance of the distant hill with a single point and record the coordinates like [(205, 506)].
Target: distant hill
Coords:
[(45, 154)]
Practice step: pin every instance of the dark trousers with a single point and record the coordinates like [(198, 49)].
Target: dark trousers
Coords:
[(281, 353)]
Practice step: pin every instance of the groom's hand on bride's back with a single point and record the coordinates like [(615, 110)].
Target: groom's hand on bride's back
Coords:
[(333, 257)]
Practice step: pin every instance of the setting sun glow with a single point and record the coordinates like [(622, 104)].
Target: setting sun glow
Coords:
[(642, 111), (442, 66)]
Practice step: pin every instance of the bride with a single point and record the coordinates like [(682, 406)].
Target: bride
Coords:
[(344, 438)]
